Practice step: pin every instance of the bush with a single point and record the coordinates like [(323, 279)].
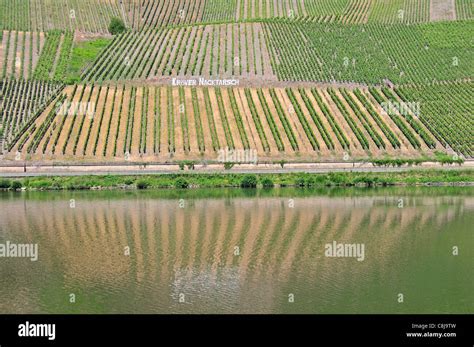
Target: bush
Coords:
[(5, 184), (267, 183), (16, 185), (249, 181), (116, 26), (142, 185), (181, 183), (300, 182)]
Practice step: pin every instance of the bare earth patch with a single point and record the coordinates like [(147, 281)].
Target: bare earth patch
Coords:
[(442, 10)]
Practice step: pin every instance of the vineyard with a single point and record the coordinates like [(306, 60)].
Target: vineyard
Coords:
[(20, 102), (400, 11), (371, 53), (220, 50), (67, 15), (119, 122), (464, 9), (35, 55), (315, 80), (159, 13), (93, 16), (19, 53), (447, 111)]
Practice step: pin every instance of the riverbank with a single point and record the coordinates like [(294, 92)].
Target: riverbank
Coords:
[(228, 180)]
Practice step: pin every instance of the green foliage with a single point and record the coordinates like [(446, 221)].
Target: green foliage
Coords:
[(411, 177), (181, 183), (304, 51), (64, 58), (16, 185), (446, 111), (249, 181), (116, 26), (267, 183), (142, 184), (5, 184), (83, 54), (45, 67)]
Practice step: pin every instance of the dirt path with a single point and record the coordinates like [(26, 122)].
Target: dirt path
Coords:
[(442, 10), (19, 63), (27, 57)]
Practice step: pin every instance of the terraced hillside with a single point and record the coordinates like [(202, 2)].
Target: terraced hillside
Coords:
[(93, 16), (309, 80), (117, 122), (214, 50)]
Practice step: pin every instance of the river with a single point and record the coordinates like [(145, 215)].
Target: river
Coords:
[(240, 251)]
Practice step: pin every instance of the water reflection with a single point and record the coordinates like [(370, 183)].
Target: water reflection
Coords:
[(225, 252)]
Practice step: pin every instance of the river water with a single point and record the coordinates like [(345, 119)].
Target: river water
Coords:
[(240, 251)]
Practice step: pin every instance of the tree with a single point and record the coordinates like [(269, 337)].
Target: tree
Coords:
[(249, 181), (16, 185), (116, 26)]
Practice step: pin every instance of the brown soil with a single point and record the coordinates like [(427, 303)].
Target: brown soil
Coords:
[(442, 10)]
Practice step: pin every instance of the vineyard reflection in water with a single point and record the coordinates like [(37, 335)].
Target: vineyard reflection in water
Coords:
[(233, 251)]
